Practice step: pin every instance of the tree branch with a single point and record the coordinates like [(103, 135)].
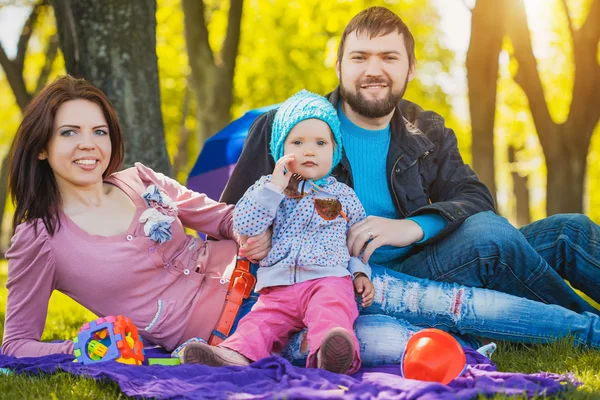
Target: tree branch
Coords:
[(590, 30), (14, 76), (527, 74), (569, 20), (5, 62), (232, 39), (26, 34), (464, 2), (196, 32), (51, 52), (67, 35)]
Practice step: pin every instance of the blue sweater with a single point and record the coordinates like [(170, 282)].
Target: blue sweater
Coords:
[(367, 152)]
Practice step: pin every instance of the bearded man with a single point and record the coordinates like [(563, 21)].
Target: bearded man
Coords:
[(428, 214)]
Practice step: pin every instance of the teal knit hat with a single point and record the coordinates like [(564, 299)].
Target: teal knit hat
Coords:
[(305, 105)]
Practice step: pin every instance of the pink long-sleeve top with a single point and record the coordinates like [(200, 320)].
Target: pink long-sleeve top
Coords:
[(171, 291)]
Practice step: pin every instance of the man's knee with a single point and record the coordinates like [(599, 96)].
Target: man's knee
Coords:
[(578, 222), (492, 236)]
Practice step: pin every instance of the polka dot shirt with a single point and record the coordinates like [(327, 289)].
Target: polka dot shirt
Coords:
[(305, 246)]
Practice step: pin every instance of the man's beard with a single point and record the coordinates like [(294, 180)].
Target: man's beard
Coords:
[(372, 108)]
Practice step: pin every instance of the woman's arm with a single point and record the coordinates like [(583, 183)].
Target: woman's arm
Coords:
[(30, 284)]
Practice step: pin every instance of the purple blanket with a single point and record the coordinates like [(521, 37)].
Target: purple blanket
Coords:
[(276, 377)]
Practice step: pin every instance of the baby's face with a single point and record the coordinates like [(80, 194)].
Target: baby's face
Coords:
[(311, 142)]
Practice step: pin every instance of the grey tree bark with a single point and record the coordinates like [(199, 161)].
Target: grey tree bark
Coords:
[(112, 44)]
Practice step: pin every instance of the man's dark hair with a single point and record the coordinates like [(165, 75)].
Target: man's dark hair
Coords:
[(379, 21)]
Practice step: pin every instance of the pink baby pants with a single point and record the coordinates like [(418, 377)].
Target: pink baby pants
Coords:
[(319, 305)]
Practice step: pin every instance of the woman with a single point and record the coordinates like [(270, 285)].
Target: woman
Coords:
[(115, 242)]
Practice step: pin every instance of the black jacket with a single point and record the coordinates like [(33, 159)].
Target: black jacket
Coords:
[(426, 172)]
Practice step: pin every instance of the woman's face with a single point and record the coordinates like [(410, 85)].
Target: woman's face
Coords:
[(79, 149)]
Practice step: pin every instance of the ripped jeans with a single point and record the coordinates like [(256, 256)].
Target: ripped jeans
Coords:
[(405, 304)]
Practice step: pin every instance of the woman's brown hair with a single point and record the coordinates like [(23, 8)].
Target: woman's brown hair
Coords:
[(31, 181)]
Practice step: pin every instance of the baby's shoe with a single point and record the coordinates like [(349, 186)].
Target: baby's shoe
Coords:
[(337, 351), (213, 356)]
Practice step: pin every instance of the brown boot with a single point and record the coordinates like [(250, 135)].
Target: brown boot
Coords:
[(337, 351), (213, 356)]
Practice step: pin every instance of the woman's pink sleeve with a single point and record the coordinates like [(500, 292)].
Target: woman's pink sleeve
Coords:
[(30, 284)]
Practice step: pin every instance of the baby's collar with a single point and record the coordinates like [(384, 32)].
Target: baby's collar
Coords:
[(326, 180)]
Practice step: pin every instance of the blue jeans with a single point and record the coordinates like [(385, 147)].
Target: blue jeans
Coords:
[(533, 262), (405, 304)]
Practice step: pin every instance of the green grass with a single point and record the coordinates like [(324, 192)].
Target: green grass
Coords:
[(65, 317)]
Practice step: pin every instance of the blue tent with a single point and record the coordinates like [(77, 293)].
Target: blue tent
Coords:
[(220, 154)]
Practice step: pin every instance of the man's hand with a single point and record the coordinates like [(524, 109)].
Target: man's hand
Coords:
[(280, 178), (257, 247), (364, 287), (375, 232)]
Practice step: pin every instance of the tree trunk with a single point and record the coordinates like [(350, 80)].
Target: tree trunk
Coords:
[(112, 44), (212, 75), (566, 166), (487, 32), (521, 192), (180, 159)]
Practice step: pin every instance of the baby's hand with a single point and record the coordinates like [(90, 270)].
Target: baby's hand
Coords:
[(280, 179), (364, 287)]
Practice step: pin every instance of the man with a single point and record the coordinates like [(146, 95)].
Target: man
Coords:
[(429, 215)]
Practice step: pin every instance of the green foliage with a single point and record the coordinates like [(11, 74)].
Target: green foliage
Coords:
[(10, 115), (173, 73)]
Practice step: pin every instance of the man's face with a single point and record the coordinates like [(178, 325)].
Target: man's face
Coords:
[(374, 73)]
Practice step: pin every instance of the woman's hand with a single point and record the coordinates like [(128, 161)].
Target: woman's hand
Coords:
[(374, 232), (256, 248), (364, 287), (280, 178)]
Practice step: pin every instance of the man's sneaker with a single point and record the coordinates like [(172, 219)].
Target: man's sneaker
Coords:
[(337, 351), (213, 356)]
